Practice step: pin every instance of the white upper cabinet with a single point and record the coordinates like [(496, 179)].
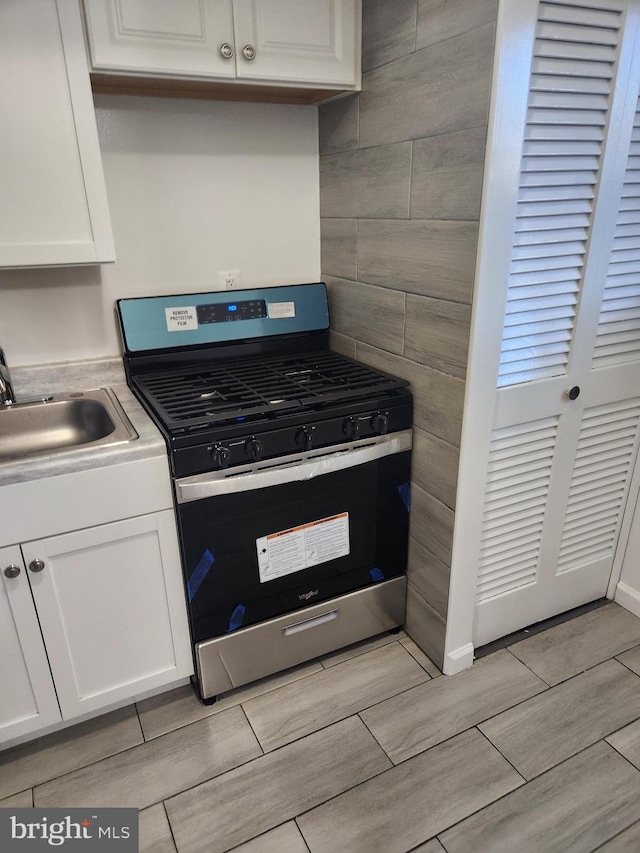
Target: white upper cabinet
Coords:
[(292, 42), (53, 203), (304, 40), (161, 36)]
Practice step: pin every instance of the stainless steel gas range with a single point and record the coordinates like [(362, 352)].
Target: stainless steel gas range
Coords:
[(291, 469)]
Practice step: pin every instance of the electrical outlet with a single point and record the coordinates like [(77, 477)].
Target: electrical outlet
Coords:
[(229, 279)]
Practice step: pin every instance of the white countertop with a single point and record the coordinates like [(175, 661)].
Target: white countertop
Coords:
[(45, 380)]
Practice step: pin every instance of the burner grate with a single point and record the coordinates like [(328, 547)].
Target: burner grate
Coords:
[(259, 387)]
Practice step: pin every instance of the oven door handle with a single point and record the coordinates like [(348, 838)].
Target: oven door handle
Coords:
[(210, 485), (313, 622)]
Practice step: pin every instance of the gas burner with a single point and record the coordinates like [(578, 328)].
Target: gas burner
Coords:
[(259, 387)]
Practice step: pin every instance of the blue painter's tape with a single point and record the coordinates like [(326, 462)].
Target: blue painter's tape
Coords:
[(237, 617), (199, 573), (405, 494), (376, 574)]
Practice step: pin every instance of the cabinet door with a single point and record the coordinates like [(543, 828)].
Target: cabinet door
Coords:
[(111, 605), (27, 697), (563, 228), (161, 36), (302, 41), (53, 203)]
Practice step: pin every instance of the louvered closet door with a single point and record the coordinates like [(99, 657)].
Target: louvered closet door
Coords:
[(559, 468)]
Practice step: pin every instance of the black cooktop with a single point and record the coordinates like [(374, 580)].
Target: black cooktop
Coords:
[(258, 389), (235, 380)]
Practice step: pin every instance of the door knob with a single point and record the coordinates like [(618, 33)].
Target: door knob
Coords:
[(12, 571), (36, 565), (249, 52), (226, 50), (573, 393)]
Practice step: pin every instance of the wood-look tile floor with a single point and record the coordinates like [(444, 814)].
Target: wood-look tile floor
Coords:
[(535, 748)]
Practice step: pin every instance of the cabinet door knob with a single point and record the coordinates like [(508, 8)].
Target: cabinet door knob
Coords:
[(249, 52), (226, 50), (36, 565), (573, 393), (12, 571)]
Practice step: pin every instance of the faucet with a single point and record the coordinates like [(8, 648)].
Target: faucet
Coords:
[(7, 397)]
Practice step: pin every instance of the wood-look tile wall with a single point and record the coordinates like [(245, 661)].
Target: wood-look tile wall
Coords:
[(401, 171)]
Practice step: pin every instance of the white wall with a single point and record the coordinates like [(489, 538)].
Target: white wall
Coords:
[(194, 187), (628, 589)]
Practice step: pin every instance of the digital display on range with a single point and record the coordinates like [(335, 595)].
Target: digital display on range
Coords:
[(228, 312)]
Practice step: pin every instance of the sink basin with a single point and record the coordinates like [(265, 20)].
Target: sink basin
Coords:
[(62, 423)]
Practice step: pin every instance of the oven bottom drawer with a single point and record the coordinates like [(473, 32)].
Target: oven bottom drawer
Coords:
[(251, 653)]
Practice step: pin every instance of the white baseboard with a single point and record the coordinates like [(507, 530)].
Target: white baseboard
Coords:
[(458, 659), (628, 598)]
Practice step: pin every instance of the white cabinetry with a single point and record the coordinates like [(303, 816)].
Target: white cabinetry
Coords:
[(96, 616), (27, 696), (165, 38), (310, 42), (105, 612), (53, 204), (304, 41)]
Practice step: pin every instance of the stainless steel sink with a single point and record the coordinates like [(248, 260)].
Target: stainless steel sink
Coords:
[(62, 423)]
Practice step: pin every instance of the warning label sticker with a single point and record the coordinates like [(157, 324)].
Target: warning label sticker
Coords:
[(280, 310), (300, 547), (181, 319)]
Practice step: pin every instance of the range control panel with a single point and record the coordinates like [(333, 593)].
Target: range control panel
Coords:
[(154, 323), (249, 309), (190, 457)]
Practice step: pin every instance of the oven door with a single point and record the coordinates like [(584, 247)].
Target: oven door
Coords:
[(274, 537)]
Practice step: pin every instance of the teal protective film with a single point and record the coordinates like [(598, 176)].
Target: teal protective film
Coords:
[(161, 322)]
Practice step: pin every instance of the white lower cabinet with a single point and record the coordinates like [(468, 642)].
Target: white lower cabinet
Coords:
[(27, 696), (110, 605)]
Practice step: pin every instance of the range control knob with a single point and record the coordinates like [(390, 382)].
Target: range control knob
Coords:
[(220, 456), (254, 449), (351, 428), (304, 438), (380, 423)]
